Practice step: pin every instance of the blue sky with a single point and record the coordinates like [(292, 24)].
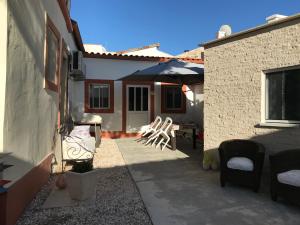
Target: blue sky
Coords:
[(177, 25)]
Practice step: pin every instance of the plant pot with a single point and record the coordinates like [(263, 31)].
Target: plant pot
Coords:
[(81, 186)]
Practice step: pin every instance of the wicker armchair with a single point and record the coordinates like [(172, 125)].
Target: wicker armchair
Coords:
[(281, 163), (249, 150)]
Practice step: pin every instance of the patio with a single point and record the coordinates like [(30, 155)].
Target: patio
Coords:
[(117, 198), (169, 185), (176, 190)]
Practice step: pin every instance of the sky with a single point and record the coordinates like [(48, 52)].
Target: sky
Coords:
[(177, 25)]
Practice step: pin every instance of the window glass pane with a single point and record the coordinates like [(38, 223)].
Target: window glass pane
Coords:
[(131, 99), (96, 96), (275, 92), (177, 97), (173, 97), (292, 95), (169, 98), (99, 96), (145, 99), (52, 56), (138, 99), (105, 96)]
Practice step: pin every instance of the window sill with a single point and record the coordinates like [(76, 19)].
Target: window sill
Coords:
[(277, 125), (173, 111), (88, 110)]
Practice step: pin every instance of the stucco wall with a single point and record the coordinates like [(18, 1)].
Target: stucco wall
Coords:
[(30, 110), (3, 52), (106, 69), (233, 86), (109, 69)]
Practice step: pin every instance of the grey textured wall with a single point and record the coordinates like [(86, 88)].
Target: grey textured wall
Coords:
[(233, 87)]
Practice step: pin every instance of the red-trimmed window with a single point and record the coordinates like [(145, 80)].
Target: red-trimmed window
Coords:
[(173, 99), (99, 96), (52, 56)]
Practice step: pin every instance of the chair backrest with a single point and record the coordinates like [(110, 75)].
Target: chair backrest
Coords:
[(167, 124), (157, 122)]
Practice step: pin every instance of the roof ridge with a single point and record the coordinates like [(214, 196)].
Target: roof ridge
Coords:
[(139, 58)]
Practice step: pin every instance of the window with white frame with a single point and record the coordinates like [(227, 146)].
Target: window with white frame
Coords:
[(283, 96), (99, 96)]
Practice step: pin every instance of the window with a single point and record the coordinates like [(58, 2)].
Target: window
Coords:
[(52, 56), (138, 98), (99, 96), (283, 96), (173, 99)]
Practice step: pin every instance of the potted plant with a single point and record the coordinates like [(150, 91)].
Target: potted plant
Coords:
[(81, 180)]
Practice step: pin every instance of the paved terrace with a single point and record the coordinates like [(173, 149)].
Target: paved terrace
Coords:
[(172, 187), (176, 190)]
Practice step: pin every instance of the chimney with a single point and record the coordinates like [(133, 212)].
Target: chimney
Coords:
[(274, 18)]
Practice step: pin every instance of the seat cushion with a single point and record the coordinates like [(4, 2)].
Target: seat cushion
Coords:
[(291, 177), (240, 163), (81, 131)]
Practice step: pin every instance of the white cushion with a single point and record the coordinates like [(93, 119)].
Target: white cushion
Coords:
[(291, 177), (82, 127), (240, 163), (81, 131)]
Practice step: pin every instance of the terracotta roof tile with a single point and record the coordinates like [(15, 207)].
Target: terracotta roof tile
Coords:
[(137, 58)]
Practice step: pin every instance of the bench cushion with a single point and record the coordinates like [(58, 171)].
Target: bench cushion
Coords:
[(291, 177), (240, 163), (81, 131)]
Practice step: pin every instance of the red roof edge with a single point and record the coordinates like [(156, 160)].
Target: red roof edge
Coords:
[(138, 58), (65, 12), (77, 36)]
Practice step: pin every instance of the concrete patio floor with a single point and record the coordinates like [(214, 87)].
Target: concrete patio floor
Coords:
[(176, 190)]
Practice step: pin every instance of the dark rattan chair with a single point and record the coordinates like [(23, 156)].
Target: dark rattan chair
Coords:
[(241, 148), (282, 162)]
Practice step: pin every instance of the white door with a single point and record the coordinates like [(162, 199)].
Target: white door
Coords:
[(138, 107)]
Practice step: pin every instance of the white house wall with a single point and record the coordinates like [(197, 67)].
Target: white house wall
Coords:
[(106, 69), (30, 110), (112, 69)]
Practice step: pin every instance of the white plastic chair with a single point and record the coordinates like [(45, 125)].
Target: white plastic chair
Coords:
[(162, 133), (153, 127)]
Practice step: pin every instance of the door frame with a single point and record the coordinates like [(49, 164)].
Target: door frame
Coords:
[(124, 100)]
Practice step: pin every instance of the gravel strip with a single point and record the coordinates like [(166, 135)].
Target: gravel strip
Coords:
[(117, 200)]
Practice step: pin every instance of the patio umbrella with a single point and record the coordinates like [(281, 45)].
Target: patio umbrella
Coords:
[(172, 71)]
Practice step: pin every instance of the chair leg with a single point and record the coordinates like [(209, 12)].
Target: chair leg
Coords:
[(155, 140), (167, 141), (256, 186), (149, 140), (255, 189), (222, 181), (159, 143), (273, 195)]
